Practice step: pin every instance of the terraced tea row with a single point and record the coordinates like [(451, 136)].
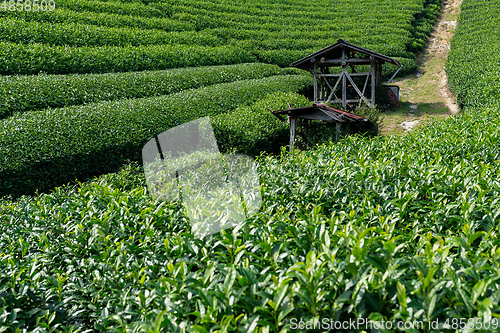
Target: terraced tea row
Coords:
[(473, 62), (24, 93), (390, 27), (63, 15), (36, 58), (52, 147), (67, 34), (385, 229), (155, 9)]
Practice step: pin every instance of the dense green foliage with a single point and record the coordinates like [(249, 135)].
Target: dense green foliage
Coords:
[(35, 58), (253, 129), (19, 31), (394, 228), (277, 33), (41, 149), (25, 93), (473, 62), (424, 24), (116, 7), (63, 15), (388, 228)]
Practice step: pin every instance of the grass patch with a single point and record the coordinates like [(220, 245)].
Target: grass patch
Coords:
[(391, 123)]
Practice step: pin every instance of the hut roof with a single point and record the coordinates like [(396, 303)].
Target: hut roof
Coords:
[(320, 112), (334, 51)]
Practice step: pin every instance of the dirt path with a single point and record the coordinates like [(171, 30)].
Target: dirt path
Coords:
[(426, 94), (439, 47)]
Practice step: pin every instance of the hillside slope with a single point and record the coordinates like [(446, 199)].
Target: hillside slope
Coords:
[(87, 52), (400, 228), (112, 36)]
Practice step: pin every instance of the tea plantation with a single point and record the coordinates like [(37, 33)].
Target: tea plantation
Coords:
[(390, 229), (82, 82)]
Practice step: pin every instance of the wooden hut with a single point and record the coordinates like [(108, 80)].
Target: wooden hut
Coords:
[(329, 82)]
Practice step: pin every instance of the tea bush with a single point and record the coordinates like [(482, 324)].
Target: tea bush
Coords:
[(115, 7), (63, 15), (398, 228), (392, 32), (472, 64), (254, 129), (393, 228), (36, 58), (25, 93), (395, 27), (42, 149), (18, 31)]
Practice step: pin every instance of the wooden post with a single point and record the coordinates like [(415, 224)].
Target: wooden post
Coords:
[(337, 134), (321, 84), (315, 84), (366, 82), (293, 127), (379, 73), (344, 83), (344, 88), (374, 75)]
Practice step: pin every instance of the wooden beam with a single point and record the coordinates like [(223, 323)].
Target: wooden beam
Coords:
[(335, 87), (334, 116), (321, 87), (293, 127), (339, 101), (321, 75), (366, 82), (322, 81), (279, 116), (337, 132), (340, 74), (379, 73), (346, 60), (361, 96)]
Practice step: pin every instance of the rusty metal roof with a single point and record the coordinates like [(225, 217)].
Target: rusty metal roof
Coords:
[(334, 51), (334, 114)]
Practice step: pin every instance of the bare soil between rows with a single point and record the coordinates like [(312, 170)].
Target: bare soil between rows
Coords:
[(426, 94)]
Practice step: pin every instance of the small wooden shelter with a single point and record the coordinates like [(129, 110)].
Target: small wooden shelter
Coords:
[(316, 112), (344, 55)]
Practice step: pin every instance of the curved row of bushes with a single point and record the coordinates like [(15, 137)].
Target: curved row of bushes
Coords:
[(394, 28), (22, 32), (24, 93), (36, 58), (64, 15), (252, 129), (116, 7), (474, 58), (401, 228), (378, 18), (43, 149)]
